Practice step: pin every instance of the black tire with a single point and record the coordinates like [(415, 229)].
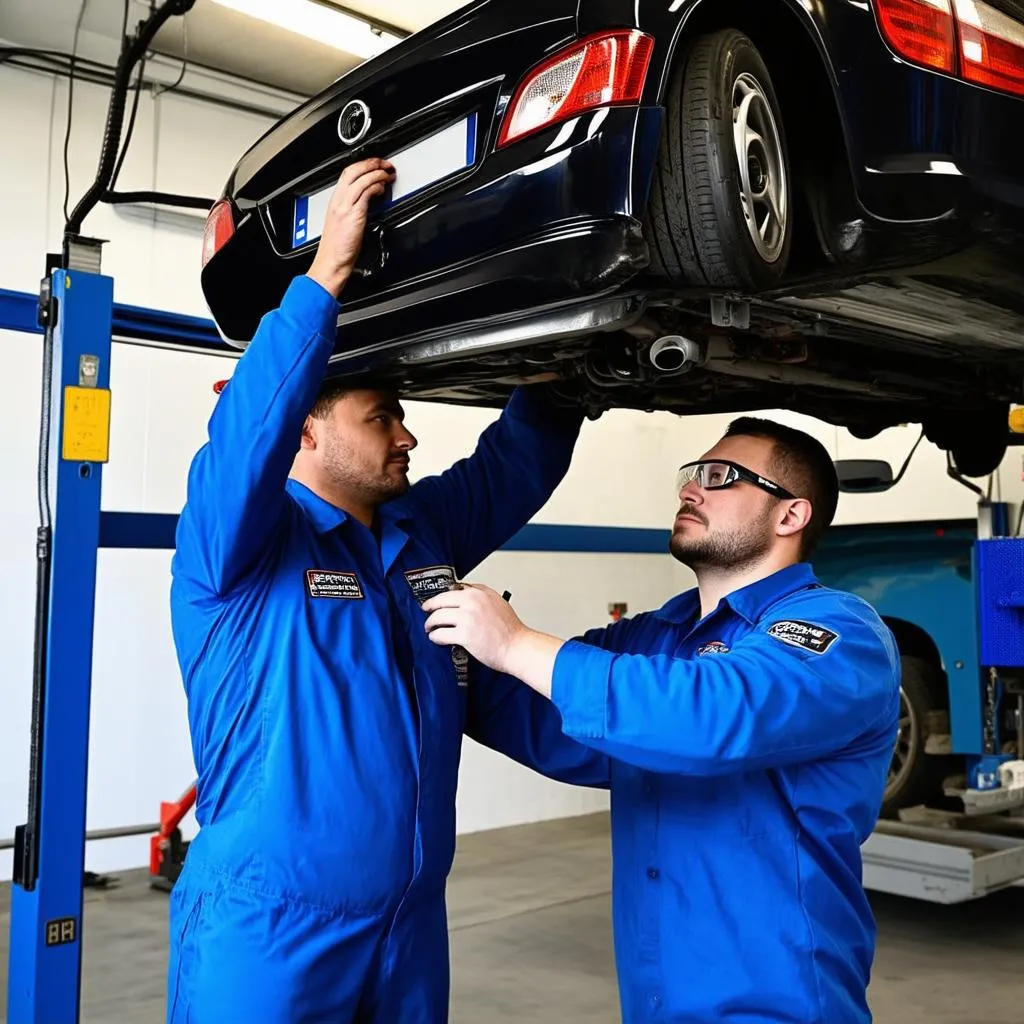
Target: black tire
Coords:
[(976, 440), (696, 223), (914, 776)]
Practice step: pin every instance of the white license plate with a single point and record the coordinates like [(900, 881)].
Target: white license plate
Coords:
[(417, 167)]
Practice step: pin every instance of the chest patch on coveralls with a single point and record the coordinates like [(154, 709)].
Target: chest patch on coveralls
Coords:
[(427, 583), (803, 634), (714, 647), (341, 585)]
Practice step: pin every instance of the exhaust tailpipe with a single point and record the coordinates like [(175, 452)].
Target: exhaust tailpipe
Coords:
[(674, 354)]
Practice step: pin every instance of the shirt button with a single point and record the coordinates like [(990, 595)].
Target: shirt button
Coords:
[(655, 1001), (652, 874)]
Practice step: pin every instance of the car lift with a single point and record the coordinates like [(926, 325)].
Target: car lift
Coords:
[(79, 319)]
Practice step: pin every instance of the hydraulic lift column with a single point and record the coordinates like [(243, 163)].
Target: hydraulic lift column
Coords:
[(46, 902)]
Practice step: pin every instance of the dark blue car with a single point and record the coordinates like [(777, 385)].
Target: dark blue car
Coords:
[(695, 205)]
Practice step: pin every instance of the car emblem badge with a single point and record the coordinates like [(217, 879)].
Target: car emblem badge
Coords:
[(353, 122)]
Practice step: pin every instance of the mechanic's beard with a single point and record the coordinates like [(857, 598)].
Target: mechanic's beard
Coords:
[(359, 480), (732, 552)]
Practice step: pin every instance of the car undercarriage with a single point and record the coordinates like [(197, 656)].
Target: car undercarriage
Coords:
[(820, 349)]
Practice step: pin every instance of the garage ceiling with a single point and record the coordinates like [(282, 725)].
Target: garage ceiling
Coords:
[(216, 36)]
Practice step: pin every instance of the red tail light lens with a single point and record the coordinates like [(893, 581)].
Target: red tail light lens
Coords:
[(599, 71), (922, 31), (991, 47), (966, 38), (220, 226)]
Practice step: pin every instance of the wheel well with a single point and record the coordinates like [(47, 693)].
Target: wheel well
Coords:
[(913, 640), (817, 145)]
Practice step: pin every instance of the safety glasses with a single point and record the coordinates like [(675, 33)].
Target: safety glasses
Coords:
[(715, 476)]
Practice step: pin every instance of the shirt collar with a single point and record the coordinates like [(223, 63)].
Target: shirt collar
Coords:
[(755, 599), (325, 517), (322, 514), (750, 601)]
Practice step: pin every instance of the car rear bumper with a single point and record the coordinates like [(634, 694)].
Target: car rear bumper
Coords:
[(552, 219), (560, 283)]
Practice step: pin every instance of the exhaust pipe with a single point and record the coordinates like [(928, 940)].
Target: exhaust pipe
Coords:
[(674, 354)]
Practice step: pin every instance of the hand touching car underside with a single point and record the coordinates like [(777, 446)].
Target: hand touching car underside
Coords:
[(345, 223)]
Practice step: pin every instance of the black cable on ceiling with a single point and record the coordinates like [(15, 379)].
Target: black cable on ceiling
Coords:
[(54, 62), (162, 198), (71, 96), (29, 60)]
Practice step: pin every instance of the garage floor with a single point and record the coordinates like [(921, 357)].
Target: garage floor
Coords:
[(531, 942)]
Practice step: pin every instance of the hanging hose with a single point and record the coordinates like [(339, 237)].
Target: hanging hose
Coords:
[(131, 52)]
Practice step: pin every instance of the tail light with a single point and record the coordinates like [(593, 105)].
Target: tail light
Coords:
[(991, 47), (599, 71), (220, 226), (922, 31), (966, 38)]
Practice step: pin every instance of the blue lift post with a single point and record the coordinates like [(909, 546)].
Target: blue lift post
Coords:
[(46, 902)]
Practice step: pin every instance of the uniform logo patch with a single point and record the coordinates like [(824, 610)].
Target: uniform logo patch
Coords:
[(807, 635), (428, 583), (341, 585), (714, 647)]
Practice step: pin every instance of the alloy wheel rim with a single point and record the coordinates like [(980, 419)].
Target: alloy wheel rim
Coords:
[(903, 750), (763, 187)]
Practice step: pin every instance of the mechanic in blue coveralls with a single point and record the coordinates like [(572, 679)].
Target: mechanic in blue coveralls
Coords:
[(326, 728), (750, 723)]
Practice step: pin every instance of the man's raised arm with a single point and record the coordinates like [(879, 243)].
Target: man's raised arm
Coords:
[(236, 485)]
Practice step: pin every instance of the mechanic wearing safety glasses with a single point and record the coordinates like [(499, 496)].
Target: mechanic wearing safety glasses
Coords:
[(750, 724)]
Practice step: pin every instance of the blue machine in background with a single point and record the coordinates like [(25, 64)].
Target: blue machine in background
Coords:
[(955, 604), (952, 592)]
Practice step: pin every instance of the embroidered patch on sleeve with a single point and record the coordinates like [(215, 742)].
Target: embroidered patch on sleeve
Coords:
[(807, 635), (341, 585)]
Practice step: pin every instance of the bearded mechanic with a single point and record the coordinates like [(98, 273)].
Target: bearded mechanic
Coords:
[(750, 724), (326, 729)]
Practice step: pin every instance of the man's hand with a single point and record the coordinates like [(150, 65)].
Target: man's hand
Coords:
[(345, 223), (478, 619)]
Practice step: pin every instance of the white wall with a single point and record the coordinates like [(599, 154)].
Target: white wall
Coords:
[(139, 751)]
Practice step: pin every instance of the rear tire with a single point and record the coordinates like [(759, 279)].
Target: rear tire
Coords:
[(914, 776), (977, 441), (721, 206)]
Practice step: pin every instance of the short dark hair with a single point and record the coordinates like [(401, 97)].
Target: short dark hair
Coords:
[(803, 466), (330, 392), (335, 388)]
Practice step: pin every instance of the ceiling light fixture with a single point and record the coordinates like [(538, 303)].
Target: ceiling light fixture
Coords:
[(319, 22)]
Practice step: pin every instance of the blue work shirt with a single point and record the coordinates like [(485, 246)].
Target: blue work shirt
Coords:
[(749, 753), (326, 727)]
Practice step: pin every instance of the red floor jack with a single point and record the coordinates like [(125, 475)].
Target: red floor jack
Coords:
[(167, 849)]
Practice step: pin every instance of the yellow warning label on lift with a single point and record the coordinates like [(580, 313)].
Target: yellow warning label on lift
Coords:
[(86, 424)]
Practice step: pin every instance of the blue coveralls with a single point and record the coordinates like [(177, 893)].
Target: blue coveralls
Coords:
[(326, 727), (749, 756)]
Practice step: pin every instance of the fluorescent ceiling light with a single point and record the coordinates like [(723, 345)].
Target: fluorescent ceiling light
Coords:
[(317, 21)]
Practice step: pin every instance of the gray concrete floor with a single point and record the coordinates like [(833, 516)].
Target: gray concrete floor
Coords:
[(530, 940)]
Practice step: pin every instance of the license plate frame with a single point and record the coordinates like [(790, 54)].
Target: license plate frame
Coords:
[(419, 166)]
